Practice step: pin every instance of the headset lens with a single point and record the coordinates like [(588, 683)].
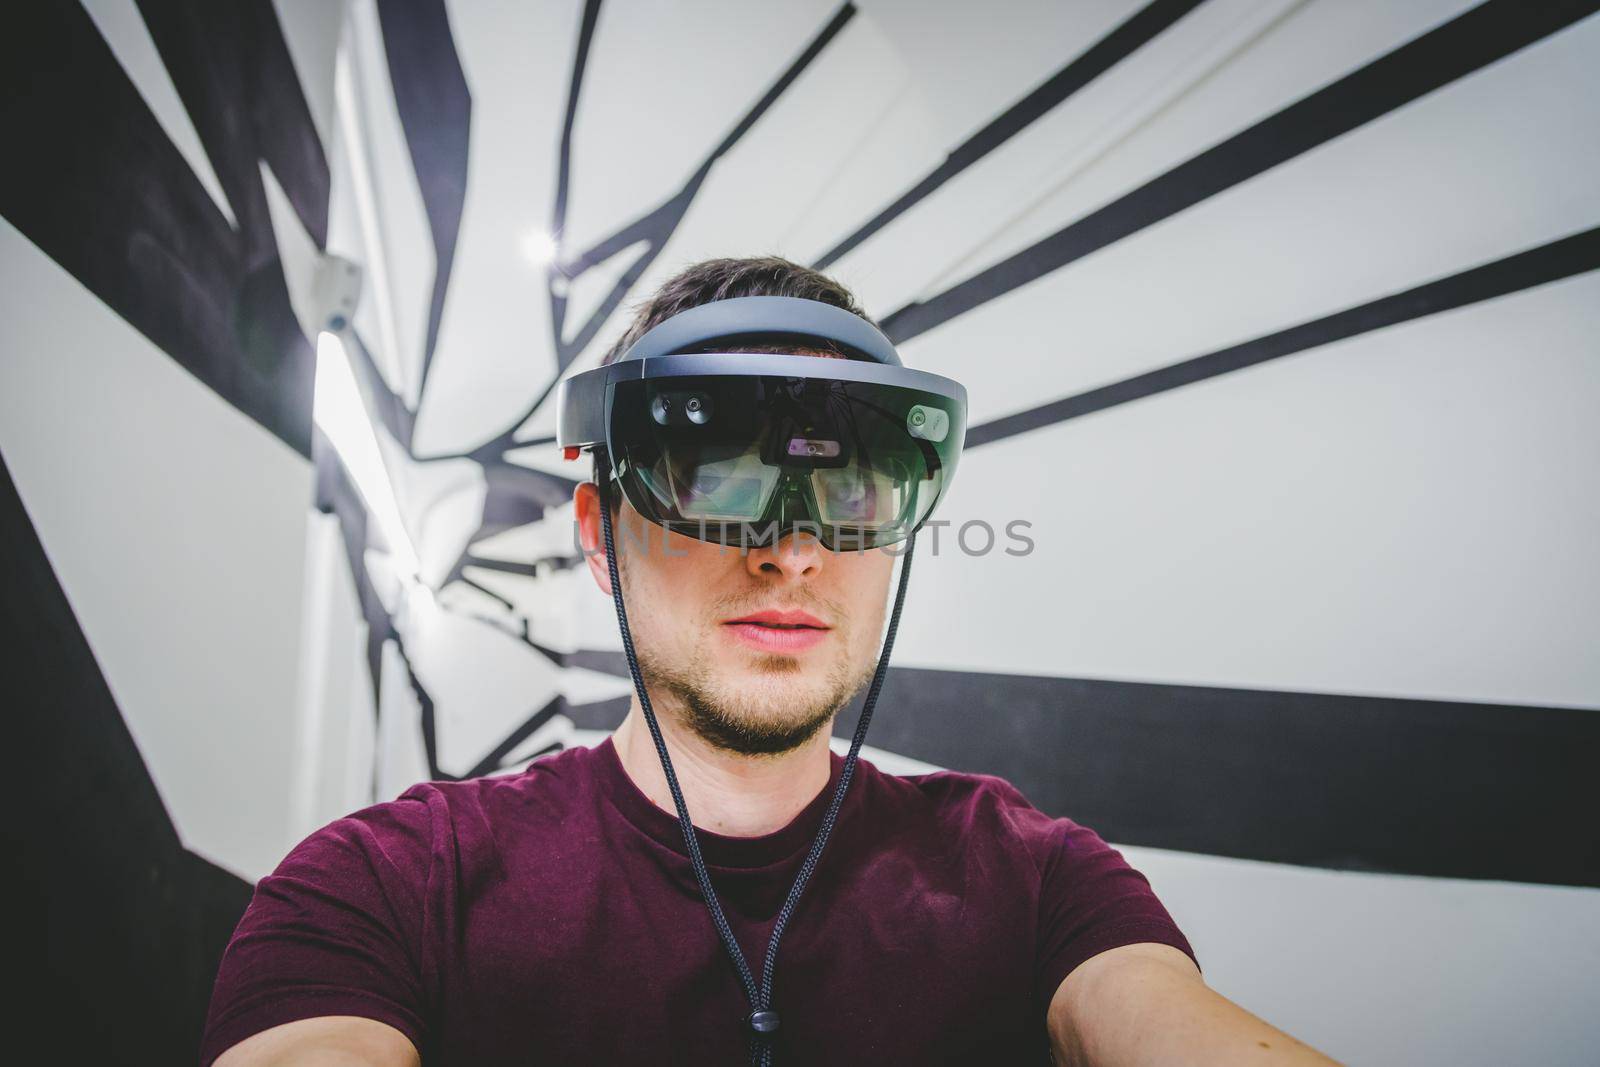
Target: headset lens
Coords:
[(740, 459), (716, 482)]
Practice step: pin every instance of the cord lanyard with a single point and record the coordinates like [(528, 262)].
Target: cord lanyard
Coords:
[(762, 1022)]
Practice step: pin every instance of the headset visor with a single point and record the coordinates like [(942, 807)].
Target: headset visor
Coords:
[(744, 459)]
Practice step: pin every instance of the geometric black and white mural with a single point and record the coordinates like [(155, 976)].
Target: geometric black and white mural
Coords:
[(1279, 324)]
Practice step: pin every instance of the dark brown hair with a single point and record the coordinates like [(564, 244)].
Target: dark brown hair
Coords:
[(724, 279)]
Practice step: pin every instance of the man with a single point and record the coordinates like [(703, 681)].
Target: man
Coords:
[(560, 915)]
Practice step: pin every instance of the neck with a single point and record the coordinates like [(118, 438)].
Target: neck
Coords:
[(726, 792)]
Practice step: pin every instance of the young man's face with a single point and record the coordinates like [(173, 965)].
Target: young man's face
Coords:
[(744, 687)]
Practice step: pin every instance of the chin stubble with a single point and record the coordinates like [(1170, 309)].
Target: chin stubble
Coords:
[(723, 725)]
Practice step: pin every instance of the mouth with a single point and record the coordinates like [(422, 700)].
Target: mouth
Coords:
[(778, 631)]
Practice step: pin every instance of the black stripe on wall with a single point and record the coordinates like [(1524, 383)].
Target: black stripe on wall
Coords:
[(1426, 787), (122, 928), (558, 276), (233, 72), (435, 108), (1559, 259), (1440, 788), (1467, 43), (495, 759), (92, 179), (1113, 48)]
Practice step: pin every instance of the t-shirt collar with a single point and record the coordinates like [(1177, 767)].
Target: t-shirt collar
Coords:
[(719, 850)]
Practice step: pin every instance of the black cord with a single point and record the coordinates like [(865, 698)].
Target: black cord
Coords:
[(690, 840), (761, 1052)]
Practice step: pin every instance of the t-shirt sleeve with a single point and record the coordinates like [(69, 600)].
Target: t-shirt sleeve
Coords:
[(1090, 900), (336, 929)]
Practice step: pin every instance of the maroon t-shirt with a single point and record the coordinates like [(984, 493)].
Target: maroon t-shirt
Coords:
[(552, 917)]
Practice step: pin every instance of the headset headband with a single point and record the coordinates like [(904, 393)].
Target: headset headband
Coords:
[(583, 408), (764, 316)]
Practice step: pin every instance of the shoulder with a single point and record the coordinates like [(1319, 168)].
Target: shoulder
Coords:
[(985, 796), (444, 819), (986, 805), (966, 788)]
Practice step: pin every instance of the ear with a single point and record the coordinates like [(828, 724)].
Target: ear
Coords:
[(591, 536)]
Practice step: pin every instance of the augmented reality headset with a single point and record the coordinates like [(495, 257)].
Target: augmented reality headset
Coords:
[(741, 448)]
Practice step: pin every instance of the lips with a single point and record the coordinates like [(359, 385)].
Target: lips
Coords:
[(791, 618), (778, 631)]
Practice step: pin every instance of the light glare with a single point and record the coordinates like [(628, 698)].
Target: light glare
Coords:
[(342, 417), (540, 247)]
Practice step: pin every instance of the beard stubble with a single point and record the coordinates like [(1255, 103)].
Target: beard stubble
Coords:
[(752, 723)]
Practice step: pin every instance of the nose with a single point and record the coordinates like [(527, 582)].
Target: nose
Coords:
[(796, 554)]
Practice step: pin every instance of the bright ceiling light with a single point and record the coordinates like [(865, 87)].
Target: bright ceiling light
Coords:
[(540, 247), (342, 417)]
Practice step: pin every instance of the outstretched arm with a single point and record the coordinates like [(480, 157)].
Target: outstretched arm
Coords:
[(1146, 1004), (328, 1041)]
